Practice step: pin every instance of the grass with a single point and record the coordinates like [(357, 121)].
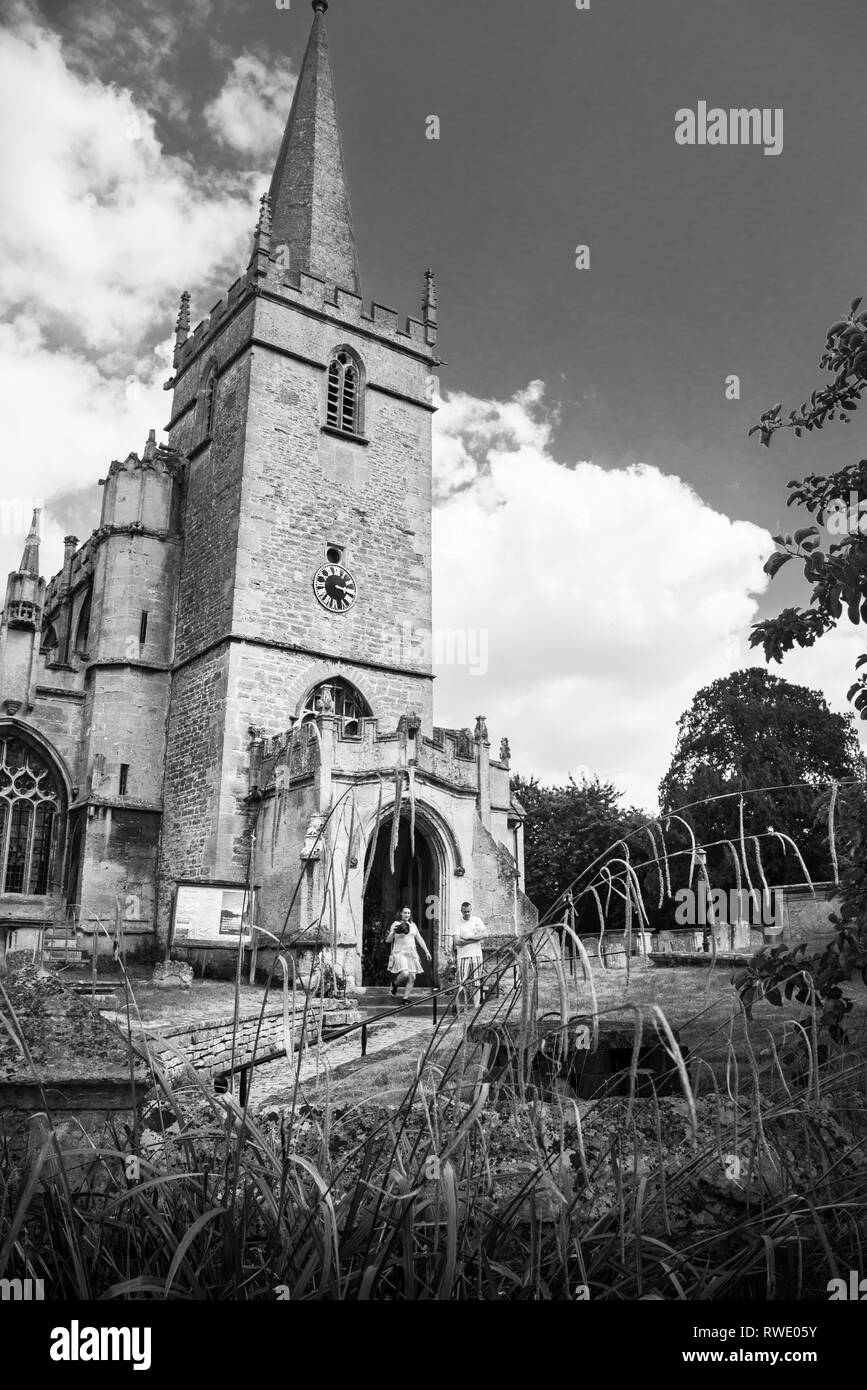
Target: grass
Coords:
[(469, 1172)]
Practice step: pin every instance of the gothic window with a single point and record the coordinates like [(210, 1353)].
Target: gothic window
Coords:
[(29, 808), (82, 631), (346, 703), (345, 392)]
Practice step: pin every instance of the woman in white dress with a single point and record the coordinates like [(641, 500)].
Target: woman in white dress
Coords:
[(403, 963)]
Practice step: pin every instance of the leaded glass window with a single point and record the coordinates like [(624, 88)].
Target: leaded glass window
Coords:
[(29, 810)]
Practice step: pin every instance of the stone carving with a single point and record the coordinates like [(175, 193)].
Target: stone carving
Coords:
[(173, 974), (505, 750), (313, 841), (481, 734)]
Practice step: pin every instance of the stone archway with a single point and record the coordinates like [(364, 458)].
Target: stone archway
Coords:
[(417, 882)]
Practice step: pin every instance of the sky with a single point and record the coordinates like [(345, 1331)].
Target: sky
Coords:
[(602, 518)]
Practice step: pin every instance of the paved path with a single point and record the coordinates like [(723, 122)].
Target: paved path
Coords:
[(407, 1037)]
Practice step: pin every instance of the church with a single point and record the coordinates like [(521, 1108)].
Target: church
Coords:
[(211, 717)]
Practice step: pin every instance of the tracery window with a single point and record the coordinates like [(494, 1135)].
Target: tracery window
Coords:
[(344, 392), (29, 810), (346, 704)]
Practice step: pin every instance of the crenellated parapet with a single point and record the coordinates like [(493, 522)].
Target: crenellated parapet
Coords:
[(138, 500), (304, 291), (452, 758)]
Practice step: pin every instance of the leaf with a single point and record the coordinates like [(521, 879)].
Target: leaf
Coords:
[(803, 532), (775, 563)]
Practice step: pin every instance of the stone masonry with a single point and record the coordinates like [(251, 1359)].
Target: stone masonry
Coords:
[(175, 682)]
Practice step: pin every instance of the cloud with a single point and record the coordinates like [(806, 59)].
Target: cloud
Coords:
[(608, 597), (249, 113), (99, 228), (148, 47), (66, 420), (99, 231)]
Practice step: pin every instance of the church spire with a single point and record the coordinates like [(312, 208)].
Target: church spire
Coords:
[(30, 558), (309, 195)]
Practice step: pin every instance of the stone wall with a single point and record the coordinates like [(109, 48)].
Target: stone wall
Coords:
[(193, 775), (207, 1047), (81, 1063), (806, 917)]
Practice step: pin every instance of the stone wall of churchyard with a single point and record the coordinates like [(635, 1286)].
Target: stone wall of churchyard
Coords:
[(208, 1047)]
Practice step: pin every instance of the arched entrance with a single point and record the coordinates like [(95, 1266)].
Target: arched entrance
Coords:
[(415, 883)]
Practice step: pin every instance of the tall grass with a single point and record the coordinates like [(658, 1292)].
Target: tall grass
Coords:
[(483, 1178)]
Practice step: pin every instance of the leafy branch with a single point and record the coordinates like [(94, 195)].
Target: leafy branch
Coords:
[(845, 355)]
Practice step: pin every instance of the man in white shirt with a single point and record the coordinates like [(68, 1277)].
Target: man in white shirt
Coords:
[(469, 935)]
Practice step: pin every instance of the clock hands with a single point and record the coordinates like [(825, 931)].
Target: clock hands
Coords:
[(335, 591)]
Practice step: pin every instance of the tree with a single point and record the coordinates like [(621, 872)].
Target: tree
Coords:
[(566, 828), (838, 572), (835, 567), (752, 731)]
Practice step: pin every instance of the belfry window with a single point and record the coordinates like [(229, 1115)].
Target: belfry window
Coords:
[(344, 393), (29, 808), (340, 698)]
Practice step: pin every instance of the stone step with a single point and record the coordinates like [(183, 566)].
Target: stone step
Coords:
[(376, 999), (384, 992)]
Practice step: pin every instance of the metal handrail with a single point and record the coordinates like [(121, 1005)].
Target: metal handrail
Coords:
[(244, 1068)]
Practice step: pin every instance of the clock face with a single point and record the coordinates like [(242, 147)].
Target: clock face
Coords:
[(334, 588)]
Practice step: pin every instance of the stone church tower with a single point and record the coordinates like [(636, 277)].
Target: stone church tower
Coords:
[(229, 685)]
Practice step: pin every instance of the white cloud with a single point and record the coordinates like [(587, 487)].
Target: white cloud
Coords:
[(250, 111), (609, 598), (99, 228), (66, 420), (99, 231)]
